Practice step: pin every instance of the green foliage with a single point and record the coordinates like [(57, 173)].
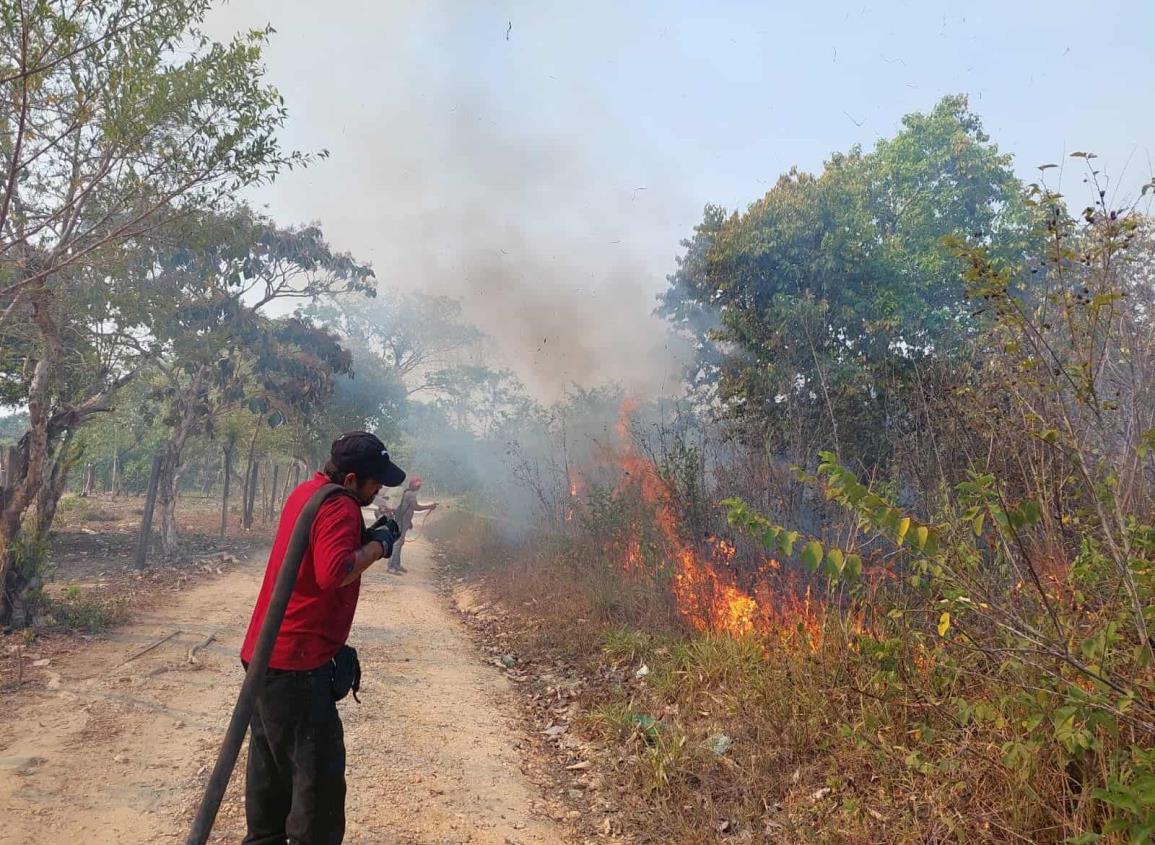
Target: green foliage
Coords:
[(828, 292), (689, 303), (78, 611), (113, 140), (621, 643), (413, 335), (479, 398), (118, 134), (1024, 602), (1090, 708), (76, 506)]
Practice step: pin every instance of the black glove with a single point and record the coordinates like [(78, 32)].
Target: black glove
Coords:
[(385, 531)]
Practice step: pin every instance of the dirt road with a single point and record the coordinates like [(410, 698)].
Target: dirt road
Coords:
[(114, 753)]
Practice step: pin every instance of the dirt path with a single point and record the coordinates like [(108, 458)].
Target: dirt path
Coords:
[(110, 753)]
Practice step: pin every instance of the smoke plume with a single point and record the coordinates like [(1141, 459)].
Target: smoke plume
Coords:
[(451, 170)]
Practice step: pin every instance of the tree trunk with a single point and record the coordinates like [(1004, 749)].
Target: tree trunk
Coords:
[(228, 450), (114, 482), (251, 496), (145, 536), (289, 483), (170, 469), (166, 495), (29, 574), (250, 480), (26, 473), (48, 497), (32, 454), (89, 479), (208, 477), (114, 473)]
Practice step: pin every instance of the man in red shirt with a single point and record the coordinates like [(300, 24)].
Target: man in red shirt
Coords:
[(295, 786)]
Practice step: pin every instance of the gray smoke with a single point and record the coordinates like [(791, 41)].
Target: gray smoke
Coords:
[(451, 183)]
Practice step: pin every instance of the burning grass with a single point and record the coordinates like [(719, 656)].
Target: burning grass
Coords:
[(741, 702), (636, 526), (777, 737)]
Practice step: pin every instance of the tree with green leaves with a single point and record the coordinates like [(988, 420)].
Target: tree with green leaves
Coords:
[(370, 398), (415, 335), (479, 398), (1031, 573), (106, 134), (831, 290), (216, 350), (404, 348), (690, 303)]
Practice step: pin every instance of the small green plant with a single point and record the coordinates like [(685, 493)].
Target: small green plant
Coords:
[(77, 507), (614, 720), (77, 611), (621, 643)]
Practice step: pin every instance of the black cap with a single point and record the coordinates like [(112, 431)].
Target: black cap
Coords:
[(364, 454)]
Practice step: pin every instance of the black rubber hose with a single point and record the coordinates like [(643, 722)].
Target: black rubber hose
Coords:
[(255, 675)]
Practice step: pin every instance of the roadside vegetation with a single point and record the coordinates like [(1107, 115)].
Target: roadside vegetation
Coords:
[(890, 578), (881, 571)]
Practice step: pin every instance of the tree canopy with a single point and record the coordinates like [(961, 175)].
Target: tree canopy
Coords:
[(820, 299)]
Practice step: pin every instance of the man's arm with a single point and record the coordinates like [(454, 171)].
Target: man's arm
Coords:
[(428, 507), (357, 562), (340, 554)]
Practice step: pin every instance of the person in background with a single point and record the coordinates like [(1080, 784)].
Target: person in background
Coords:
[(403, 513)]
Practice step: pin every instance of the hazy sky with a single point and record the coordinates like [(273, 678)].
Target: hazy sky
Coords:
[(543, 159)]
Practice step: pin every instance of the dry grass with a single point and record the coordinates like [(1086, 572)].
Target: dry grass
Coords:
[(756, 740), (551, 579)]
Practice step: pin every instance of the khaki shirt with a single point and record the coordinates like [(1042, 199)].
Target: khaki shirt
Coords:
[(405, 509)]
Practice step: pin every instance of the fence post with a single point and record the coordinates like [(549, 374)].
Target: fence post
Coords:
[(250, 495), (149, 507)]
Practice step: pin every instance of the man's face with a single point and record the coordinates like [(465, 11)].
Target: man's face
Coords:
[(365, 491)]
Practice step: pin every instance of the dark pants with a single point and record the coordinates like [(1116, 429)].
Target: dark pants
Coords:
[(395, 558), (295, 788)]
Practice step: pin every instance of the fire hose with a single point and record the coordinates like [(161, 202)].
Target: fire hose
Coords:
[(255, 674)]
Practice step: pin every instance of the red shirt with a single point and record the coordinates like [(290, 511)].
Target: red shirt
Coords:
[(320, 610)]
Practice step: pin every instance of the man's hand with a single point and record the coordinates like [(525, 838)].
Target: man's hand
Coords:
[(384, 531)]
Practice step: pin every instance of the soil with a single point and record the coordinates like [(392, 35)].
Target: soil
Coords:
[(92, 567), (99, 748)]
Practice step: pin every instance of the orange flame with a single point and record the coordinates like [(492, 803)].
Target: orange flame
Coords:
[(711, 593), (576, 487)]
